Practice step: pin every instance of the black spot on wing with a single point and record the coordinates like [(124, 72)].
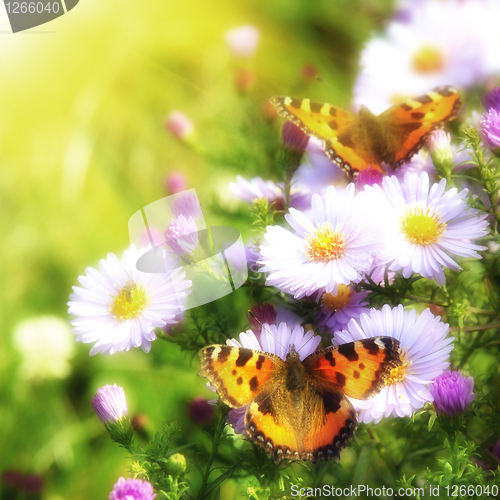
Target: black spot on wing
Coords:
[(341, 379), (410, 126), (296, 103), (370, 346), (445, 91), (316, 106), (239, 380), (209, 350), (333, 125), (254, 383), (332, 400), (361, 366), (329, 357), (356, 374), (244, 356), (346, 139), (333, 111), (234, 372), (348, 351), (224, 353), (417, 115), (424, 99), (406, 107), (260, 362)]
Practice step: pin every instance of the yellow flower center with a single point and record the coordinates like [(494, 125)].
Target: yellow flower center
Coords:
[(325, 244), (338, 301), (428, 59), (422, 227), (129, 302), (398, 373)]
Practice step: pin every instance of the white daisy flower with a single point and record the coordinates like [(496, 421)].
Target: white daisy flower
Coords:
[(424, 351), (336, 247), (275, 340), (119, 307), (424, 225), (436, 43)]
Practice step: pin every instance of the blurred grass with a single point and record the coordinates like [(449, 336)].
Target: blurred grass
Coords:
[(83, 146)]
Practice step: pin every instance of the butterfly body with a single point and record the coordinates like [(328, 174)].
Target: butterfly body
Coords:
[(298, 409), (356, 142)]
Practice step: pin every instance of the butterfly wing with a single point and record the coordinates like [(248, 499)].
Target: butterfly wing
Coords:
[(330, 428), (316, 428), (407, 125), (341, 131), (356, 369), (321, 120), (238, 374)]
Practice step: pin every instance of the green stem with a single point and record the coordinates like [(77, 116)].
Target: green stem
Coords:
[(215, 448)]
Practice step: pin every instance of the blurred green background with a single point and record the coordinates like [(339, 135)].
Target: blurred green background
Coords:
[(83, 145)]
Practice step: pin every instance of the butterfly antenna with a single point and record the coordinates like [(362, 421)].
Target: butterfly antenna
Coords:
[(252, 314), (310, 339)]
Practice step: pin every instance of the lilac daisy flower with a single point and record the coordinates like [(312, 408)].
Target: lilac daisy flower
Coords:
[(452, 393), (110, 404), (424, 225), (336, 247), (337, 310), (424, 351), (119, 307), (132, 489), (275, 340), (489, 126)]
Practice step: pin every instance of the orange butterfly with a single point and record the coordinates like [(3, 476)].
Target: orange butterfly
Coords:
[(298, 409), (356, 142)]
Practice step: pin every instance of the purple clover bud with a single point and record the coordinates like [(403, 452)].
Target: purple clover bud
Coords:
[(109, 404), (175, 182), (132, 489), (452, 393), (492, 99), (200, 410), (260, 314), (179, 125), (293, 138)]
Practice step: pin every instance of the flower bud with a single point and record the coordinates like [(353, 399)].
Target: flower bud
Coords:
[(111, 407), (176, 464), (452, 393)]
